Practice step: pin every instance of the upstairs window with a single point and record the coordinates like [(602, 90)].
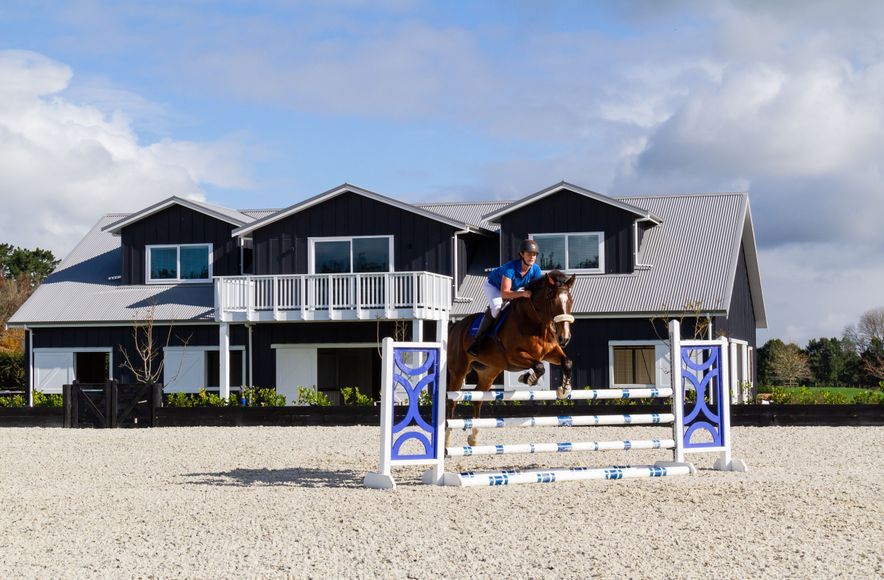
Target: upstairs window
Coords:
[(580, 252), (351, 255), (181, 263)]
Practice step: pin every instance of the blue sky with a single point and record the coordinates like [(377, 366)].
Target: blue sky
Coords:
[(109, 106)]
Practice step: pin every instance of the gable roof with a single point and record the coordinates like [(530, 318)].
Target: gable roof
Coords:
[(564, 185), (216, 211), (347, 188), (694, 255), (85, 289)]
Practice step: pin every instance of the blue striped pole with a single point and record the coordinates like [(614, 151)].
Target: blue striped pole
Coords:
[(586, 394), (563, 447), (496, 478), (562, 421)]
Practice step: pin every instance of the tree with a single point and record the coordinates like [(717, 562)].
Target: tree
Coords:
[(873, 360), (869, 327), (147, 363), (828, 358), (764, 360), (34, 265), (782, 364)]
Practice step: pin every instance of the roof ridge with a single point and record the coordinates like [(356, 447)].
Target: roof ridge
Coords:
[(464, 202), (671, 195)]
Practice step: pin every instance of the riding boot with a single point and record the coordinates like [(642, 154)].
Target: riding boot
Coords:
[(487, 322)]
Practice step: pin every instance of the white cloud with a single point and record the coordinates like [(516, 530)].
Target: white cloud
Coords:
[(65, 164)]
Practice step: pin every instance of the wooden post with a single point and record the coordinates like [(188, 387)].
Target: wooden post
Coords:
[(75, 404), (66, 401), (156, 402), (110, 407)]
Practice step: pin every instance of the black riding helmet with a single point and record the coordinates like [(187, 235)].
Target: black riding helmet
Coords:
[(529, 246)]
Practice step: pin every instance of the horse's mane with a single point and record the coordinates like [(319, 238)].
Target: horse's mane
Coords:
[(557, 275)]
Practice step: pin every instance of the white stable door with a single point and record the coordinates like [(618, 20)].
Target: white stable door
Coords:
[(295, 367), (52, 370)]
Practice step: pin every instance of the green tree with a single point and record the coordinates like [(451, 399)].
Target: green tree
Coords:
[(17, 262), (764, 360), (827, 358), (782, 364)]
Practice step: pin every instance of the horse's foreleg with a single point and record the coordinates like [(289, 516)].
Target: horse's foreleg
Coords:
[(532, 377), (565, 390), (473, 437)]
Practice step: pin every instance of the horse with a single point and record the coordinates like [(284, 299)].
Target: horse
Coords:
[(536, 330)]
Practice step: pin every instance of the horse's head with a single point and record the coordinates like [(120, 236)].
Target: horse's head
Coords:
[(555, 288)]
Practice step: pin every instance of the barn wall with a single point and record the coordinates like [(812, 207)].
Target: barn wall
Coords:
[(178, 225)]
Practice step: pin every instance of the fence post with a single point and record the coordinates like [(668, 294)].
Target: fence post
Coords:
[(75, 404), (66, 401), (156, 401), (108, 404)]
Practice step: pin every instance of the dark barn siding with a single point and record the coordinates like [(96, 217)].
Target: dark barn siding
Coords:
[(114, 336), (565, 212), (178, 225), (740, 322), (419, 243)]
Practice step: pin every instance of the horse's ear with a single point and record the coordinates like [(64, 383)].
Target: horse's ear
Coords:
[(570, 281), (550, 280)]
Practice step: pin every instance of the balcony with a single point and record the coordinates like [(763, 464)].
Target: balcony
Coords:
[(306, 297)]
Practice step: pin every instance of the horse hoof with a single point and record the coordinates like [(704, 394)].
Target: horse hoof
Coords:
[(472, 440), (563, 392)]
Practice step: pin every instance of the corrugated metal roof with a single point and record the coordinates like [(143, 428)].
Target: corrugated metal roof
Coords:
[(693, 256), (468, 212), (85, 288), (217, 211)]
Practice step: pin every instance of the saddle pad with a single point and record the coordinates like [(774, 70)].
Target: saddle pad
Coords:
[(474, 328)]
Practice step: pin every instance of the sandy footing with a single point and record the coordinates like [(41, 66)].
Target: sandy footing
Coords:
[(289, 502)]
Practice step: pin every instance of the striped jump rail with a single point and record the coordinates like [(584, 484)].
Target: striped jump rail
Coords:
[(563, 447), (585, 394), (510, 477), (562, 421)]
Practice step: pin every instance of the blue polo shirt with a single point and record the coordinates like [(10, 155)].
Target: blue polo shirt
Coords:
[(513, 271)]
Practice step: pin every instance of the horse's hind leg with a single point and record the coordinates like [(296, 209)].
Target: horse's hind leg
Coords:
[(473, 437), (485, 379)]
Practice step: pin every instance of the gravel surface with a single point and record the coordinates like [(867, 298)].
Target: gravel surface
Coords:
[(289, 502)]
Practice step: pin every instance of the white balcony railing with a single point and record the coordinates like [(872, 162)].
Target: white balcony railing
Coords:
[(391, 295)]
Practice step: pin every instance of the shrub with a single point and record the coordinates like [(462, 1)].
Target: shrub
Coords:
[(314, 398), (869, 398), (41, 400), (12, 370), (13, 401), (352, 396), (258, 397)]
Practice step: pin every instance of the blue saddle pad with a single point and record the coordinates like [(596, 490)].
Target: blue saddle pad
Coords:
[(474, 328)]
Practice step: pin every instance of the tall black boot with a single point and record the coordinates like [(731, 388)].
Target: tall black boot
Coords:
[(487, 322)]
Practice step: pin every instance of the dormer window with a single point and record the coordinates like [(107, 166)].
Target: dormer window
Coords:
[(351, 255), (182, 263), (574, 252)]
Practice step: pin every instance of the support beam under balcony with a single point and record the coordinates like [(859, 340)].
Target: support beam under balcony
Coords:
[(224, 360)]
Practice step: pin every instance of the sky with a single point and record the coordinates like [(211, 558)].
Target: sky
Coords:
[(111, 106)]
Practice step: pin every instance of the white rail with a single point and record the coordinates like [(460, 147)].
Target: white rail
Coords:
[(590, 394), (390, 295)]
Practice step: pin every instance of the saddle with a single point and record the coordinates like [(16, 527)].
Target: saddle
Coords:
[(504, 313)]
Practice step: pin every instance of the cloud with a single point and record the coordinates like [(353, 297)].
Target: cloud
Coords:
[(64, 164)]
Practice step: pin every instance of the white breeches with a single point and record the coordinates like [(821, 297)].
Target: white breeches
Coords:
[(495, 301)]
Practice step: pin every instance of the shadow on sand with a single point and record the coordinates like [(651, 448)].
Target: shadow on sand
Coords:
[(294, 477)]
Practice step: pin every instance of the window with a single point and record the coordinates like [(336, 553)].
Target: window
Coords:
[(634, 365), (235, 370), (577, 251), (356, 255), (184, 263)]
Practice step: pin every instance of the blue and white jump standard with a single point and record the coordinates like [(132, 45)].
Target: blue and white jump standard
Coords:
[(710, 414)]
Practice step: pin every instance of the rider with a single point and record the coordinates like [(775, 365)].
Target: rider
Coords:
[(507, 282)]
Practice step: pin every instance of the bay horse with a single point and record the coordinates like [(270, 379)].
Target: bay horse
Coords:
[(536, 330)]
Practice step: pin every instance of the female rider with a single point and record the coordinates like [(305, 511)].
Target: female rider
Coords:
[(506, 283)]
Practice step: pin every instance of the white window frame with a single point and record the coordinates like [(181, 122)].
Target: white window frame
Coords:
[(661, 363), (178, 279), (73, 351), (599, 235), (311, 255)]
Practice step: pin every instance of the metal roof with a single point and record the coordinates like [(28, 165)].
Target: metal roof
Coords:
[(614, 201), (693, 256), (341, 189), (220, 212), (468, 212), (85, 288)]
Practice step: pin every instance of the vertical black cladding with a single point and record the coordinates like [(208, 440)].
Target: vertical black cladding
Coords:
[(178, 225), (566, 211), (419, 243)]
